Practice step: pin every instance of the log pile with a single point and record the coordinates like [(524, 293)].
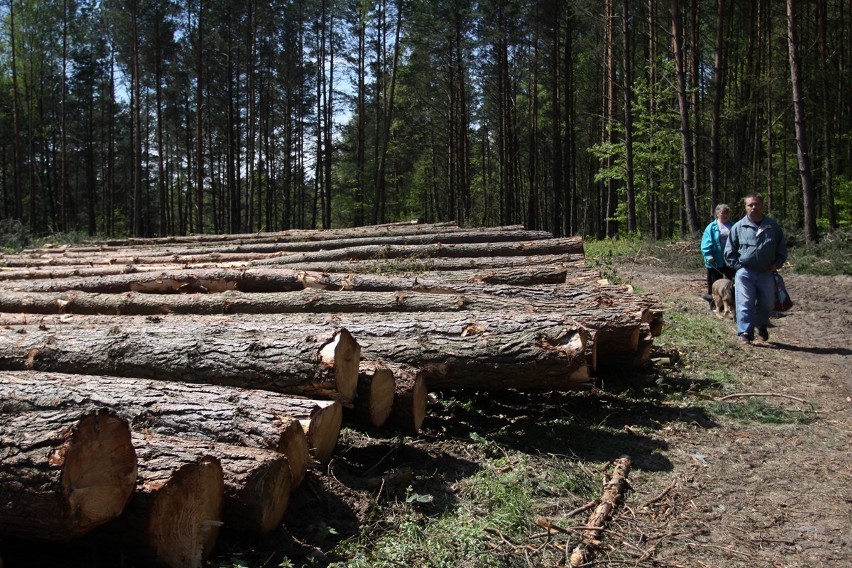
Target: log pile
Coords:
[(217, 369)]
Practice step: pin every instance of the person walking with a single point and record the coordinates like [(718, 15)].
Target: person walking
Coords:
[(756, 248), (713, 249)]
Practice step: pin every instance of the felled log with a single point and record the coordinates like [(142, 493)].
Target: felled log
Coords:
[(468, 350), (175, 515), (413, 265), (410, 398), (570, 245), (399, 228), (62, 472), (204, 412), (376, 389), (266, 246), (17, 261), (257, 482), (260, 279), (177, 281), (317, 361)]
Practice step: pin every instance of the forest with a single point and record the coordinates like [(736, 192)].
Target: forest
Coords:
[(598, 118)]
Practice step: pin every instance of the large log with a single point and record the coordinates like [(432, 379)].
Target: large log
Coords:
[(318, 361), (469, 350), (398, 228), (257, 482), (262, 246), (229, 415), (175, 515), (62, 472)]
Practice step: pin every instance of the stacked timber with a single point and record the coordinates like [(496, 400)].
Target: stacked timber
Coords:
[(231, 361)]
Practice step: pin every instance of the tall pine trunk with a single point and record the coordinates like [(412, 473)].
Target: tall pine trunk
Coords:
[(799, 117), (686, 137)]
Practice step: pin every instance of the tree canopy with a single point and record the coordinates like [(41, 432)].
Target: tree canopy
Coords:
[(155, 117)]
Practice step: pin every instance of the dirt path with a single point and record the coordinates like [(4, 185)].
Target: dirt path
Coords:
[(752, 494)]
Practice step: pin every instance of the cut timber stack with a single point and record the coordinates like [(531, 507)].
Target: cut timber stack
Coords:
[(232, 360)]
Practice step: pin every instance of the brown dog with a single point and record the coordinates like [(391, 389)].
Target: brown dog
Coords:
[(723, 297)]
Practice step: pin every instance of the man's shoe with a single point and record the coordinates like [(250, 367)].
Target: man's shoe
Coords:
[(763, 334), (744, 339)]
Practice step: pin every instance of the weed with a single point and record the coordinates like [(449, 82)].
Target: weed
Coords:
[(759, 410)]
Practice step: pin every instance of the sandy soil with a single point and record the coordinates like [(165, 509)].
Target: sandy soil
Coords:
[(750, 494)]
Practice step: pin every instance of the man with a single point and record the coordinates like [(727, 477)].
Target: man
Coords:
[(756, 248)]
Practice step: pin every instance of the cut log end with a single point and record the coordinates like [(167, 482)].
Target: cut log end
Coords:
[(323, 429), (342, 354), (376, 390), (293, 443), (99, 473), (261, 503), (187, 514)]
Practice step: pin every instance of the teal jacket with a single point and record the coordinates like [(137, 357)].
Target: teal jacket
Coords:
[(756, 247), (711, 245)]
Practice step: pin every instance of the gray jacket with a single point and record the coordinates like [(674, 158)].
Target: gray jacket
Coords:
[(756, 247)]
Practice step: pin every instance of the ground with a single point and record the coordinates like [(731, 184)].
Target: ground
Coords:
[(751, 494), (707, 489)]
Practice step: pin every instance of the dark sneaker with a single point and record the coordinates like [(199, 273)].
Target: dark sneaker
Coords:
[(744, 339), (763, 334)]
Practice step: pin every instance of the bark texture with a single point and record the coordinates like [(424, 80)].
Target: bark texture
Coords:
[(63, 472)]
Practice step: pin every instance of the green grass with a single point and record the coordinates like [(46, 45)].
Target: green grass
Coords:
[(495, 505), (758, 409)]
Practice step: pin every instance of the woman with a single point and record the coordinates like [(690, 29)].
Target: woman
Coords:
[(713, 248)]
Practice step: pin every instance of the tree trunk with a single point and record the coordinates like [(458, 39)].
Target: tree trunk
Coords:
[(686, 137), (231, 416), (802, 153), (212, 280), (63, 472), (568, 245), (718, 96), (316, 361)]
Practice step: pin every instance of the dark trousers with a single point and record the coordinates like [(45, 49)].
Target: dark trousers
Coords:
[(714, 274)]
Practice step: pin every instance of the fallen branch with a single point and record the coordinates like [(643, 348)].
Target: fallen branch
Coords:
[(612, 495), (748, 394)]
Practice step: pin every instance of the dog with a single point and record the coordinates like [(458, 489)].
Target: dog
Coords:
[(723, 297)]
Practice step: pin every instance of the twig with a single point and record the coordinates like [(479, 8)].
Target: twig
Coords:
[(746, 394), (586, 507), (661, 495)]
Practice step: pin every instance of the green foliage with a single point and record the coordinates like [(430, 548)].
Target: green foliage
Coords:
[(827, 257), (14, 236)]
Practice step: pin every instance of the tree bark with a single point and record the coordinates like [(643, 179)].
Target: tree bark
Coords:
[(257, 482), (174, 518), (402, 265), (802, 153), (686, 136), (203, 412), (212, 280), (613, 494), (317, 361), (63, 472), (566, 245)]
